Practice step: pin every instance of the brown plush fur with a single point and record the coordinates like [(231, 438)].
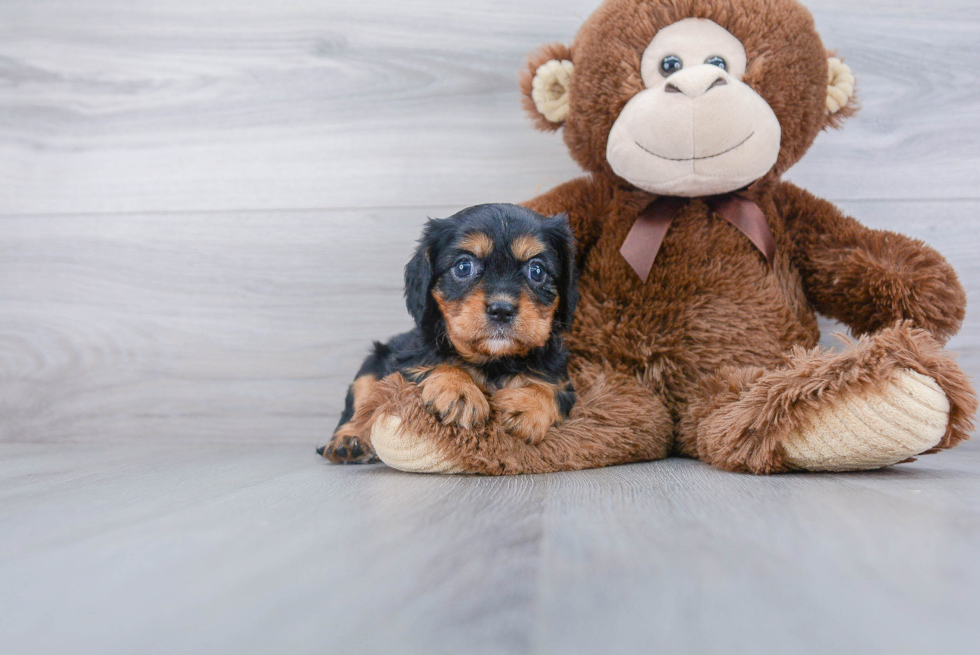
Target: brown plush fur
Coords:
[(741, 414), (714, 356), (604, 428)]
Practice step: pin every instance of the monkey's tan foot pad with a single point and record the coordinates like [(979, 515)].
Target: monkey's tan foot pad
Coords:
[(872, 428), (400, 447)]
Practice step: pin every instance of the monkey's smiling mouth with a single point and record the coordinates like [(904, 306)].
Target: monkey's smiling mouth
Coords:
[(717, 154)]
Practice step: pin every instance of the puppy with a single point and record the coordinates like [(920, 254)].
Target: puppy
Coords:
[(491, 290)]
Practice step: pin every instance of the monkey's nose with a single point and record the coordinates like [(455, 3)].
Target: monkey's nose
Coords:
[(501, 311), (695, 82)]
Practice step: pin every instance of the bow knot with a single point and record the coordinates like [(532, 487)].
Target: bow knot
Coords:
[(647, 234)]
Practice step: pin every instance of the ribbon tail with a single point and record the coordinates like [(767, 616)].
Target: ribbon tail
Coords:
[(641, 245), (748, 219)]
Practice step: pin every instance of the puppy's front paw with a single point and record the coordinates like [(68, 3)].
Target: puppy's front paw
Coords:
[(450, 394), (527, 412), (347, 448)]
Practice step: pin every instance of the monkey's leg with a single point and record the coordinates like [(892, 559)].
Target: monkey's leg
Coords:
[(887, 398), (615, 420)]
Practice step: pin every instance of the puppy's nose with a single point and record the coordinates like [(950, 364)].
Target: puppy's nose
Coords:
[(501, 311)]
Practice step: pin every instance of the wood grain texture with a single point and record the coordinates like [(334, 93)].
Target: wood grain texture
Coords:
[(249, 327), (112, 106), (263, 548), (258, 549), (205, 208)]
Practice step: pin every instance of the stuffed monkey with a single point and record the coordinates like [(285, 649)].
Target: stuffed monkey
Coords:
[(702, 270)]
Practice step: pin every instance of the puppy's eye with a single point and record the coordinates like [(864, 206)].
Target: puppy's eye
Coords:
[(716, 61), (536, 272), (464, 268), (670, 65)]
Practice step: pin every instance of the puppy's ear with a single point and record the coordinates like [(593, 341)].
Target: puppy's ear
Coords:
[(420, 271), (558, 234), (418, 279)]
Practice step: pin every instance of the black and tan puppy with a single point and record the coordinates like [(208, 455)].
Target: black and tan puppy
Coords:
[(491, 290)]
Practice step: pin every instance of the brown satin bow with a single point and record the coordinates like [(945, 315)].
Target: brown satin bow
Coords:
[(648, 232)]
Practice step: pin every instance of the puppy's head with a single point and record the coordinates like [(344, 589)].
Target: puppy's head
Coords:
[(496, 280)]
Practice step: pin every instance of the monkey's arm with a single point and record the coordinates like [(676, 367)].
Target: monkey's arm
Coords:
[(584, 201), (866, 278)]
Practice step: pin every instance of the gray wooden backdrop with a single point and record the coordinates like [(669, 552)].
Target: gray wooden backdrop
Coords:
[(205, 207)]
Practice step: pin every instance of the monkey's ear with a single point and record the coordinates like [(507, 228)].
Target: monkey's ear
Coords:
[(840, 92), (545, 85)]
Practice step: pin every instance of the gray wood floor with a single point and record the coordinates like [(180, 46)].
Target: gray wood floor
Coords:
[(204, 212)]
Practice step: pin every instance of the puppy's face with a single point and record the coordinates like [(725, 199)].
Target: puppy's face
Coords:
[(500, 280), (498, 294)]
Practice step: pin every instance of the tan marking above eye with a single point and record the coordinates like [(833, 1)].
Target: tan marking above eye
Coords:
[(526, 246), (478, 243)]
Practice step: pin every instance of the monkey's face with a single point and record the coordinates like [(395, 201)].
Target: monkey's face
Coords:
[(690, 97), (696, 129)]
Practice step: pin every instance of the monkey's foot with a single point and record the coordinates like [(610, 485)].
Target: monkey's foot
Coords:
[(411, 448), (885, 399), (871, 428)]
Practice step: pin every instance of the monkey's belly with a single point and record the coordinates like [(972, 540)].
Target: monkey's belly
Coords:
[(711, 300)]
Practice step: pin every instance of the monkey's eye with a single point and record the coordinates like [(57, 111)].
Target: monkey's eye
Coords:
[(464, 268), (716, 61), (670, 65), (536, 272)]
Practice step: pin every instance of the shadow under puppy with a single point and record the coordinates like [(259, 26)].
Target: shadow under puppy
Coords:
[(491, 290)]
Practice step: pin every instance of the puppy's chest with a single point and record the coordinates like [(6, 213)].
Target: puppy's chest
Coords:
[(490, 381)]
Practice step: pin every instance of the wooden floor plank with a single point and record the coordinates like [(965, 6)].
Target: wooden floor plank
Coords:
[(700, 561), (256, 549), (204, 214), (201, 548)]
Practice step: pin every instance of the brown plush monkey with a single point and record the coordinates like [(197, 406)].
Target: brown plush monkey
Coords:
[(701, 270)]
